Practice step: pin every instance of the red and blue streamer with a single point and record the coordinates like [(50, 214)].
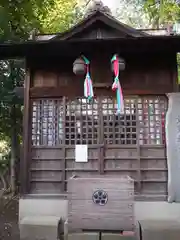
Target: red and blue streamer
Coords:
[(88, 87), (116, 85)]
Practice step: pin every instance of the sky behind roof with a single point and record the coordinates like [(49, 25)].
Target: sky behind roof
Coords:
[(130, 13), (111, 3)]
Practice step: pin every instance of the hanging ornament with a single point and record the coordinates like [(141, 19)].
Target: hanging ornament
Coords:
[(88, 88), (116, 84), (79, 67), (121, 64)]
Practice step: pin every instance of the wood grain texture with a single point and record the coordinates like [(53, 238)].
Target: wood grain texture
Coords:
[(116, 214), (26, 156), (116, 147)]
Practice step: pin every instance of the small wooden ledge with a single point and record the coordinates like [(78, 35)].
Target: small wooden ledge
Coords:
[(100, 89)]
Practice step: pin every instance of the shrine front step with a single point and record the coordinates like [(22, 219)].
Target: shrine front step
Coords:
[(108, 236), (95, 236)]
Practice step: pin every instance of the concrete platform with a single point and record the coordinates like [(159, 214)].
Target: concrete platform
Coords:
[(39, 228), (160, 229), (95, 236), (83, 236), (30, 207), (108, 236)]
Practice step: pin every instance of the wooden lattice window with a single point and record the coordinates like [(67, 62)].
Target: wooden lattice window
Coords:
[(119, 129), (151, 112), (47, 122), (80, 122), (143, 120)]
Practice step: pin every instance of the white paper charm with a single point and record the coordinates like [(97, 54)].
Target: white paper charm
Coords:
[(81, 153)]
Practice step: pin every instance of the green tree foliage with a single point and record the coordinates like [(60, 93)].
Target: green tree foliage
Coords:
[(63, 15), (11, 75), (161, 12), (132, 13), (148, 13), (18, 18), (4, 163)]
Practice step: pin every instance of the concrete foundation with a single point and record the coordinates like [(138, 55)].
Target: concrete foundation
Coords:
[(58, 208), (40, 216), (160, 230), (39, 228), (95, 236)]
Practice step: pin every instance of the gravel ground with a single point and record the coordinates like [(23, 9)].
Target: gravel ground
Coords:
[(9, 220)]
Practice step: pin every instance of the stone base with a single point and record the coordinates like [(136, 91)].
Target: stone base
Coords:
[(104, 236), (30, 208), (95, 236), (160, 230), (83, 236), (108, 236), (39, 228)]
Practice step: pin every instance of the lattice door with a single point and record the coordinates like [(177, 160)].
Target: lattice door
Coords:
[(131, 144), (141, 123), (80, 122)]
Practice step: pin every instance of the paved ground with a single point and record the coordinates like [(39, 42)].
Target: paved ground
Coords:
[(9, 220)]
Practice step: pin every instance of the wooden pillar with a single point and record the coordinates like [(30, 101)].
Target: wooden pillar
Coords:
[(173, 146), (24, 169), (175, 75)]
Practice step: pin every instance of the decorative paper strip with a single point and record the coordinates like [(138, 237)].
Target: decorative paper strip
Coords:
[(116, 85), (88, 88)]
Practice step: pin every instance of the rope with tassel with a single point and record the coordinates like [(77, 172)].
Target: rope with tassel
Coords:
[(116, 85), (88, 87)]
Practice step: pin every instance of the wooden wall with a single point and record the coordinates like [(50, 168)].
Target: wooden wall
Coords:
[(144, 74)]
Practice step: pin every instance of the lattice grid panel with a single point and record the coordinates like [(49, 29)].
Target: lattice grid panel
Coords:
[(80, 122), (119, 129), (151, 120), (142, 122), (47, 122)]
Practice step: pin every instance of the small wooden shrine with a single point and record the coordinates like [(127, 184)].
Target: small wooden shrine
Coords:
[(97, 104), (57, 115)]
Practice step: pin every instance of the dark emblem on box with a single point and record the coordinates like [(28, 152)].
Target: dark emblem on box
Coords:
[(100, 197)]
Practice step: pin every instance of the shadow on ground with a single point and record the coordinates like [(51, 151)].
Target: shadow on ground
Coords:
[(9, 219)]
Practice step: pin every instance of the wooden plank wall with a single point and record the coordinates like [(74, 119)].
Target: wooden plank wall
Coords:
[(47, 168), (51, 167), (143, 75)]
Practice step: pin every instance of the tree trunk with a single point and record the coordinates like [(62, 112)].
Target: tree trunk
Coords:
[(14, 146), (3, 181)]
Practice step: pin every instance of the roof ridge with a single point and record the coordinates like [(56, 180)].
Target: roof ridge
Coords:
[(98, 15)]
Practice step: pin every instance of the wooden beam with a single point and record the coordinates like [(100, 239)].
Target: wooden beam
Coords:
[(52, 92), (175, 74), (47, 92)]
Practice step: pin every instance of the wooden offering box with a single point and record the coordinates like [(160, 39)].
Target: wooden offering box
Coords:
[(101, 203)]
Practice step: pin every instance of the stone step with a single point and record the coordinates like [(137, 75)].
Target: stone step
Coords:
[(95, 236), (104, 235), (39, 228), (107, 236), (160, 229), (83, 236)]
